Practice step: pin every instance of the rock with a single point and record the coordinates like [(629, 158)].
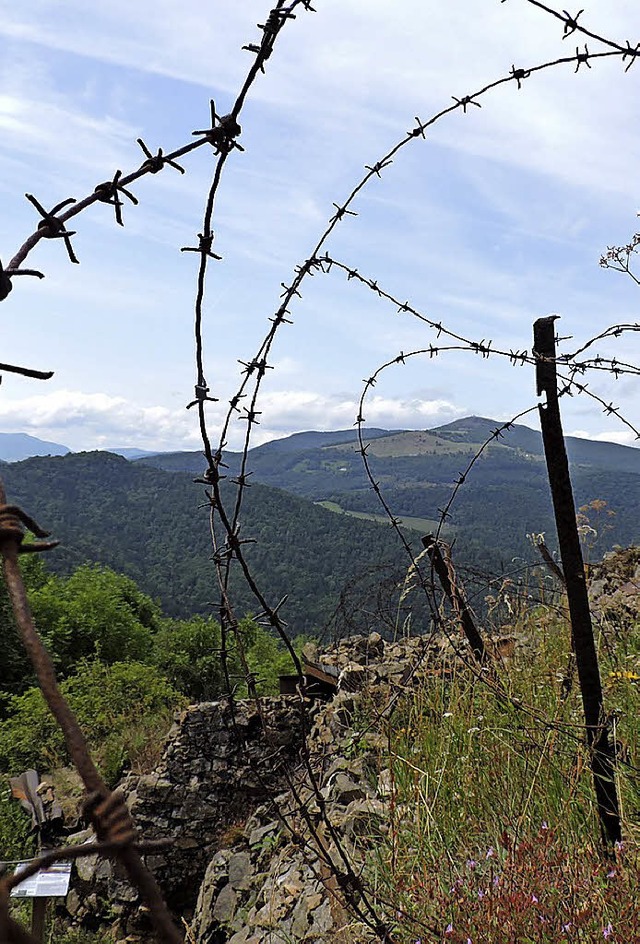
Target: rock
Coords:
[(344, 790), (385, 783), (322, 921), (240, 870), (225, 906), (352, 678), (375, 647), (258, 834)]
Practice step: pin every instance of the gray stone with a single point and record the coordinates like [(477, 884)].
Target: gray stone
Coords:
[(225, 906), (322, 921), (240, 870), (345, 790), (260, 832)]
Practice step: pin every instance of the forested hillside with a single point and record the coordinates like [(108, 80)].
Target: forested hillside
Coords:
[(151, 526), (505, 497)]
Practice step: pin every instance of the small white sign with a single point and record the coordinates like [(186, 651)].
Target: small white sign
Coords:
[(52, 882)]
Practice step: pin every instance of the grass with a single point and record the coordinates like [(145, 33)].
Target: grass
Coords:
[(423, 525), (494, 834), (412, 443)]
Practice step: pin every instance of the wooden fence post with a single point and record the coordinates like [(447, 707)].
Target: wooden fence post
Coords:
[(601, 749)]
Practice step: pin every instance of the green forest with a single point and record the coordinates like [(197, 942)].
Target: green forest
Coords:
[(123, 665)]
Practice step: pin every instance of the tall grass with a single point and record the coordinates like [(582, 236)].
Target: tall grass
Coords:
[(494, 834)]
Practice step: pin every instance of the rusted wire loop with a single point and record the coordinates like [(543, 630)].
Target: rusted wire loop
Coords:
[(14, 523)]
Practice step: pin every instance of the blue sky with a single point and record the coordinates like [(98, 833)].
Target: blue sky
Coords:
[(499, 217)]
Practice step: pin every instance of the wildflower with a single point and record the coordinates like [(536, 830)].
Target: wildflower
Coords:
[(448, 714), (611, 873), (545, 824), (534, 900), (607, 932), (471, 864), (490, 853), (480, 894), (619, 845), (449, 929), (566, 927)]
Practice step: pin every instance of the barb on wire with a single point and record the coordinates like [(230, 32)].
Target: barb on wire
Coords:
[(109, 192), (204, 246), (223, 132), (26, 371), (154, 163), (51, 226)]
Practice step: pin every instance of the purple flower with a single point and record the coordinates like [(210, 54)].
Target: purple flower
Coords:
[(471, 864), (611, 873), (607, 932), (449, 929), (490, 853), (534, 900)]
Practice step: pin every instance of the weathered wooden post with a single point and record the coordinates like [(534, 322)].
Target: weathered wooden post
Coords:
[(456, 599), (602, 753)]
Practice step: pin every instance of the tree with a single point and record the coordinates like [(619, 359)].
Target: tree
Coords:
[(94, 613)]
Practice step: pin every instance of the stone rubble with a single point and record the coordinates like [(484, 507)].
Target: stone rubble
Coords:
[(253, 859)]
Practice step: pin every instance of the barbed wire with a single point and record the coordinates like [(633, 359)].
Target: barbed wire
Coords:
[(255, 369), (222, 136)]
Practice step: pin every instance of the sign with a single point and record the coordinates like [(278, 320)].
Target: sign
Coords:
[(52, 882)]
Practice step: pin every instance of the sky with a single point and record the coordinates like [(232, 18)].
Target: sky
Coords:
[(497, 218)]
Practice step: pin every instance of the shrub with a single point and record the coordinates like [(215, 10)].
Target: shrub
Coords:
[(117, 706)]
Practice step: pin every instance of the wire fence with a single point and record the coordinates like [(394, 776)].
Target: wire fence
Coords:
[(107, 810)]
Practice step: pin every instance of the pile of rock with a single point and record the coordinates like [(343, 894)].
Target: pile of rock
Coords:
[(266, 805)]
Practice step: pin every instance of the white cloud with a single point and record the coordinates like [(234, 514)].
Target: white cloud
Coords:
[(295, 411), (622, 438), (96, 421)]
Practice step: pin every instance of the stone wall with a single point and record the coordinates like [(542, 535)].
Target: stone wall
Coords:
[(253, 859), (215, 770)]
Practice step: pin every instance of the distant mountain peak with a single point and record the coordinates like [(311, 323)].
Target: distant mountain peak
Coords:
[(17, 446)]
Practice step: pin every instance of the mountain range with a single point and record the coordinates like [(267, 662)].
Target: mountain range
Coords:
[(314, 515)]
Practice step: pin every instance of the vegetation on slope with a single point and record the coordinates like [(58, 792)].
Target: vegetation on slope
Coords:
[(148, 525), (494, 835)]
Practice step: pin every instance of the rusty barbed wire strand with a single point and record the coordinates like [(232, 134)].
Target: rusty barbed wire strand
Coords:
[(517, 357), (259, 363), (571, 26), (347, 879), (52, 225), (313, 262)]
